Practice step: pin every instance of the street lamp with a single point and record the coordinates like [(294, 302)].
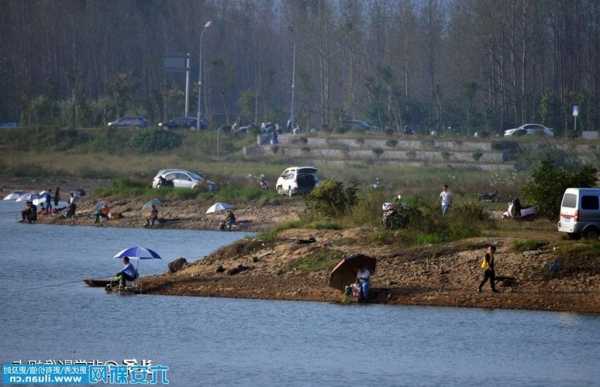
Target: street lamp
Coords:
[(206, 25), (292, 118)]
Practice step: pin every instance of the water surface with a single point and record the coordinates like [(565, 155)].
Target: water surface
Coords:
[(47, 313)]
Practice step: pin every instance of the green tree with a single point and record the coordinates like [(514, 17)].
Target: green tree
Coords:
[(331, 199), (549, 181)]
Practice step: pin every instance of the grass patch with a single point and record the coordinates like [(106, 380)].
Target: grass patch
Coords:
[(528, 245), (573, 258), (323, 259), (233, 193)]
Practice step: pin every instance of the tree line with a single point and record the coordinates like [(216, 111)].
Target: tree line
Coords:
[(468, 65)]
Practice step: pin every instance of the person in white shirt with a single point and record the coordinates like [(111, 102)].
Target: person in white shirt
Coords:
[(362, 277), (445, 199)]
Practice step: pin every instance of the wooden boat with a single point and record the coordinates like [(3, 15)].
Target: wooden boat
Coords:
[(98, 282)]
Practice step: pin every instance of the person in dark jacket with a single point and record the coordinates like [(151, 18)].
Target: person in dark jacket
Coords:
[(488, 265), (29, 213), (56, 196), (127, 273)]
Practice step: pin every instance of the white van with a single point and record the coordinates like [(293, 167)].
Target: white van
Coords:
[(580, 213), (297, 180)]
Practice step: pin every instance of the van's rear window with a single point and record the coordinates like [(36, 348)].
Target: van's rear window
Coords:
[(307, 170), (569, 200), (589, 202)]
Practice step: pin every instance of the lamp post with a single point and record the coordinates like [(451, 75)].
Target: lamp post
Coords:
[(293, 86), (187, 84), (199, 115)]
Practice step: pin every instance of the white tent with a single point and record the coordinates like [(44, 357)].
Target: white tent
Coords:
[(218, 207)]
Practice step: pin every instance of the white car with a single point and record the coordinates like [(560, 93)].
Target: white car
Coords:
[(296, 180), (182, 178), (529, 129)]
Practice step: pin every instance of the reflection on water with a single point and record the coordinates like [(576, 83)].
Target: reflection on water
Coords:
[(47, 313)]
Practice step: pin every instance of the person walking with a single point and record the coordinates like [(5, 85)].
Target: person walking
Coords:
[(488, 265), (445, 199)]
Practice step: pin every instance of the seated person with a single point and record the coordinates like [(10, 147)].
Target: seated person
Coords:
[(29, 213), (229, 220), (362, 277), (72, 206), (128, 273)]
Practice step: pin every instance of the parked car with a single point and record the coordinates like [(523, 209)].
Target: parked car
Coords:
[(580, 213), (129, 122), (297, 180), (181, 178), (8, 125), (358, 125), (530, 129), (183, 122)]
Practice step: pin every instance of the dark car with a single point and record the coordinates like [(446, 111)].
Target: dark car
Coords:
[(183, 122), (129, 122)]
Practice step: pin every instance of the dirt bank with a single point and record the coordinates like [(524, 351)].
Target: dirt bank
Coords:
[(177, 214), (293, 268)]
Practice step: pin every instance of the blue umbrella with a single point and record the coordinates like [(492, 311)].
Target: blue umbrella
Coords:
[(137, 252)]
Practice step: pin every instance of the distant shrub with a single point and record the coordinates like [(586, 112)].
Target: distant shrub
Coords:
[(377, 152), (391, 143), (331, 199), (477, 155), (446, 155), (155, 140)]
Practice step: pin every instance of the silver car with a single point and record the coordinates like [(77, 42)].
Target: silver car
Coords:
[(182, 178), (529, 129)]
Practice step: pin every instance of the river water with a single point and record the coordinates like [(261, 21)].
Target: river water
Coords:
[(47, 313)]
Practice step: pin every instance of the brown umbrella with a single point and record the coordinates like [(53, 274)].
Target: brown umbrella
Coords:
[(344, 273)]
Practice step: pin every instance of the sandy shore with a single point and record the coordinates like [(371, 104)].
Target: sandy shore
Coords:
[(173, 214), (443, 275), (177, 214)]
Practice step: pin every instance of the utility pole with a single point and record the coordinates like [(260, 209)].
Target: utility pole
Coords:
[(199, 115), (292, 117), (187, 84)]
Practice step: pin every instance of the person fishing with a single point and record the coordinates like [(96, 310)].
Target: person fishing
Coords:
[(488, 265), (229, 221), (153, 217), (29, 213), (48, 206), (127, 273), (362, 277)]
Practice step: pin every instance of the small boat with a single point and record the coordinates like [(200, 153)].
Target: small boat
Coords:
[(98, 282)]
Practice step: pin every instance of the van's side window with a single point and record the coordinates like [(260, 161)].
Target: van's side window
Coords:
[(569, 200), (589, 202)]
